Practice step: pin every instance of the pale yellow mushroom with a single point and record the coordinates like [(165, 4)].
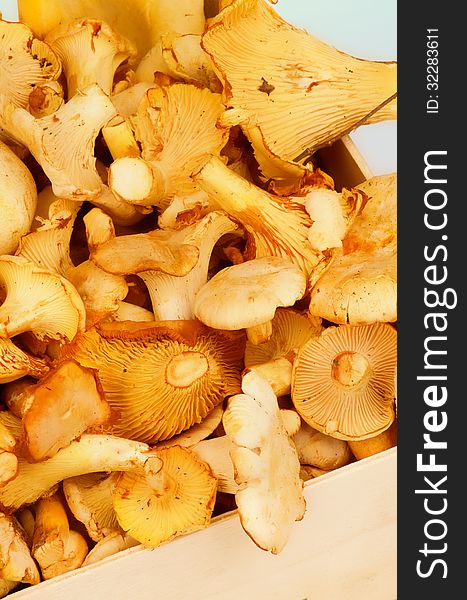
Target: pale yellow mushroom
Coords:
[(91, 453), (56, 548), (273, 358), (178, 129), (360, 285), (18, 199), (267, 469), (90, 52), (290, 103), (16, 562), (25, 62), (38, 300), (89, 497), (343, 380), (320, 450), (247, 296), (60, 407), (216, 453), (48, 246), (178, 498), (109, 545), (276, 226), (172, 296)]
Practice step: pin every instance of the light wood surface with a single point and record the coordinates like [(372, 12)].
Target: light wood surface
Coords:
[(343, 549)]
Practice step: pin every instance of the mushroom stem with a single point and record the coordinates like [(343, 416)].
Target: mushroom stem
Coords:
[(259, 333), (6, 586), (277, 226), (385, 440), (27, 521), (91, 453), (119, 138), (277, 372), (216, 453), (56, 548), (136, 180)]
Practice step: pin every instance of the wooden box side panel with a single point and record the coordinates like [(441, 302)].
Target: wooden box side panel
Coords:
[(344, 548)]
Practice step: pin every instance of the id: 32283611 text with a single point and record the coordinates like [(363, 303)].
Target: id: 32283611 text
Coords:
[(432, 63)]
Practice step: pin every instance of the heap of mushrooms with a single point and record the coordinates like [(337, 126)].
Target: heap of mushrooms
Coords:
[(192, 316)]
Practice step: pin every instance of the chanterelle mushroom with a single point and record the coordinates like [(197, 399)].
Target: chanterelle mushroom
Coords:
[(38, 300), (247, 295), (343, 380), (140, 22), (178, 499), (15, 363), (172, 296), (267, 467), (63, 143), (16, 562), (360, 285), (158, 380), (90, 51), (57, 548), (276, 226), (18, 199), (60, 407), (91, 453), (290, 103), (177, 128), (25, 62), (89, 498), (273, 358)]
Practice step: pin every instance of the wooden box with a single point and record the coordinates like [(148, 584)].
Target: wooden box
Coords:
[(343, 549)]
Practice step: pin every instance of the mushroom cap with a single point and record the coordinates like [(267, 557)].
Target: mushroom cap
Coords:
[(15, 363), (183, 503), (290, 330), (89, 498), (360, 286), (63, 142), (25, 62), (178, 128), (48, 246), (295, 102), (38, 300), (159, 382), (270, 498), (343, 380), (248, 294), (161, 250), (16, 562), (18, 199), (68, 401), (90, 51), (198, 432)]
